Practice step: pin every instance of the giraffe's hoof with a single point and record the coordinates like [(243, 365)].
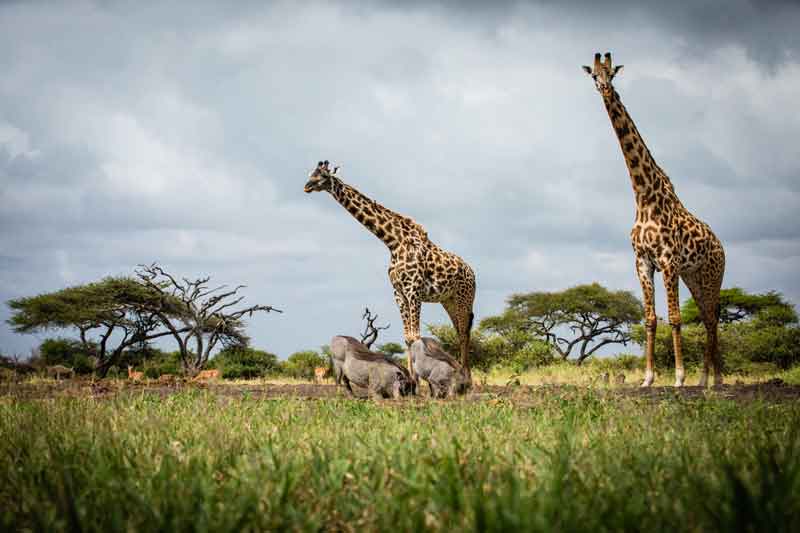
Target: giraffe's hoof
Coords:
[(648, 379)]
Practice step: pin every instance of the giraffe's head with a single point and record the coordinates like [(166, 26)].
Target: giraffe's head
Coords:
[(321, 178), (602, 73)]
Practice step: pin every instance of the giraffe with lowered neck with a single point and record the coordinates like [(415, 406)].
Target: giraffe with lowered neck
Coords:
[(665, 237), (419, 270)]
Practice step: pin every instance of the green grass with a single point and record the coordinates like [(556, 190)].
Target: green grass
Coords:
[(568, 461)]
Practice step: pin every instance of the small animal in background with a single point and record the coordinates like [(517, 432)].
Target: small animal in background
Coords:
[(214, 373), (133, 375), (619, 379), (604, 377), (321, 373), (56, 371)]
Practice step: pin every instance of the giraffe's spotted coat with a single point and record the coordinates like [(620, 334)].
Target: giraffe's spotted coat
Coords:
[(419, 270), (665, 237)]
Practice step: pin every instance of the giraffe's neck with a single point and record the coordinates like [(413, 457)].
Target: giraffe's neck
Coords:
[(388, 226), (650, 183)]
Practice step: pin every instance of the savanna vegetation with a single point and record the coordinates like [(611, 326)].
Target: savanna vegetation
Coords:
[(567, 459), (552, 437)]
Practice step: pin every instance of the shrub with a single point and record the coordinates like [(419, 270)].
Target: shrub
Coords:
[(301, 365), (533, 354), (740, 344), (244, 363), (487, 350), (60, 351), (392, 348), (620, 363)]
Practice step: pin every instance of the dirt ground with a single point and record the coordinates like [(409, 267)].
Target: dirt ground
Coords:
[(771, 391)]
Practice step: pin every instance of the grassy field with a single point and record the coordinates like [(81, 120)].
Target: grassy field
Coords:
[(558, 458)]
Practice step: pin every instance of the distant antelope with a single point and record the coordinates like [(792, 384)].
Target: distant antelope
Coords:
[(208, 374), (166, 378), (133, 375), (57, 371), (619, 379), (321, 374)]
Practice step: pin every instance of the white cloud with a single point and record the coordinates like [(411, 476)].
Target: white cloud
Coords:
[(185, 136)]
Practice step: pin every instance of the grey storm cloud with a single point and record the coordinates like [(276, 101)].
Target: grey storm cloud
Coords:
[(132, 133)]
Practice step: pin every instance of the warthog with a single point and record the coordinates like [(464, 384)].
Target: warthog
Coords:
[(444, 374), (354, 363), (56, 371)]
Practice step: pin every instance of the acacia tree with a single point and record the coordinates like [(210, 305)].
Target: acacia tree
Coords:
[(575, 322), (370, 333), (110, 315), (736, 305), (197, 316)]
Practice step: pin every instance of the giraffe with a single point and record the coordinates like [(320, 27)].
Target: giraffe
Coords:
[(419, 270), (665, 237)]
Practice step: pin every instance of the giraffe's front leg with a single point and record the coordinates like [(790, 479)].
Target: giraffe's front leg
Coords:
[(645, 271), (670, 274), (410, 308)]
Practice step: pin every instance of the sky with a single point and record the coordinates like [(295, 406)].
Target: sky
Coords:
[(183, 133)]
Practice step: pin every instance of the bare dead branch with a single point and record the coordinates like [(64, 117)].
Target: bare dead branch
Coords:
[(370, 333)]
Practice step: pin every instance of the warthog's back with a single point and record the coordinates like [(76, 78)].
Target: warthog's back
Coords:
[(365, 368), (442, 371)]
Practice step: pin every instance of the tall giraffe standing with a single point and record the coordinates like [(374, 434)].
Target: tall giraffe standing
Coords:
[(419, 270), (665, 237)]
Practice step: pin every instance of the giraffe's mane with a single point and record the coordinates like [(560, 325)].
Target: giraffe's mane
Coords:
[(420, 230)]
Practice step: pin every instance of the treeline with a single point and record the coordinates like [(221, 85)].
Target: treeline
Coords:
[(118, 320), (758, 332), (234, 362)]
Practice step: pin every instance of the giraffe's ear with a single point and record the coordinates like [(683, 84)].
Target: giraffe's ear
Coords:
[(618, 69), (586, 69), (319, 165)]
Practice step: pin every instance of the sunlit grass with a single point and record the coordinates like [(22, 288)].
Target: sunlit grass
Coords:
[(574, 459), (590, 374)]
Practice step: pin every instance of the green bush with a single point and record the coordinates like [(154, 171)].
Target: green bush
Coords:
[(82, 364), (67, 352), (244, 363), (620, 363), (301, 365), (392, 348), (740, 344), (533, 354), (516, 350)]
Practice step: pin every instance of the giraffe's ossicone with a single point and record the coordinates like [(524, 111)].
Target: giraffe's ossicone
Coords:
[(419, 270), (665, 237)]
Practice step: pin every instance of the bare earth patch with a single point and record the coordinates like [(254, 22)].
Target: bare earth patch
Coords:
[(770, 391)]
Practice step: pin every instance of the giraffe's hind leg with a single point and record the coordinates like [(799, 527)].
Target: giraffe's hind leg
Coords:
[(694, 282), (461, 315), (704, 286)]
